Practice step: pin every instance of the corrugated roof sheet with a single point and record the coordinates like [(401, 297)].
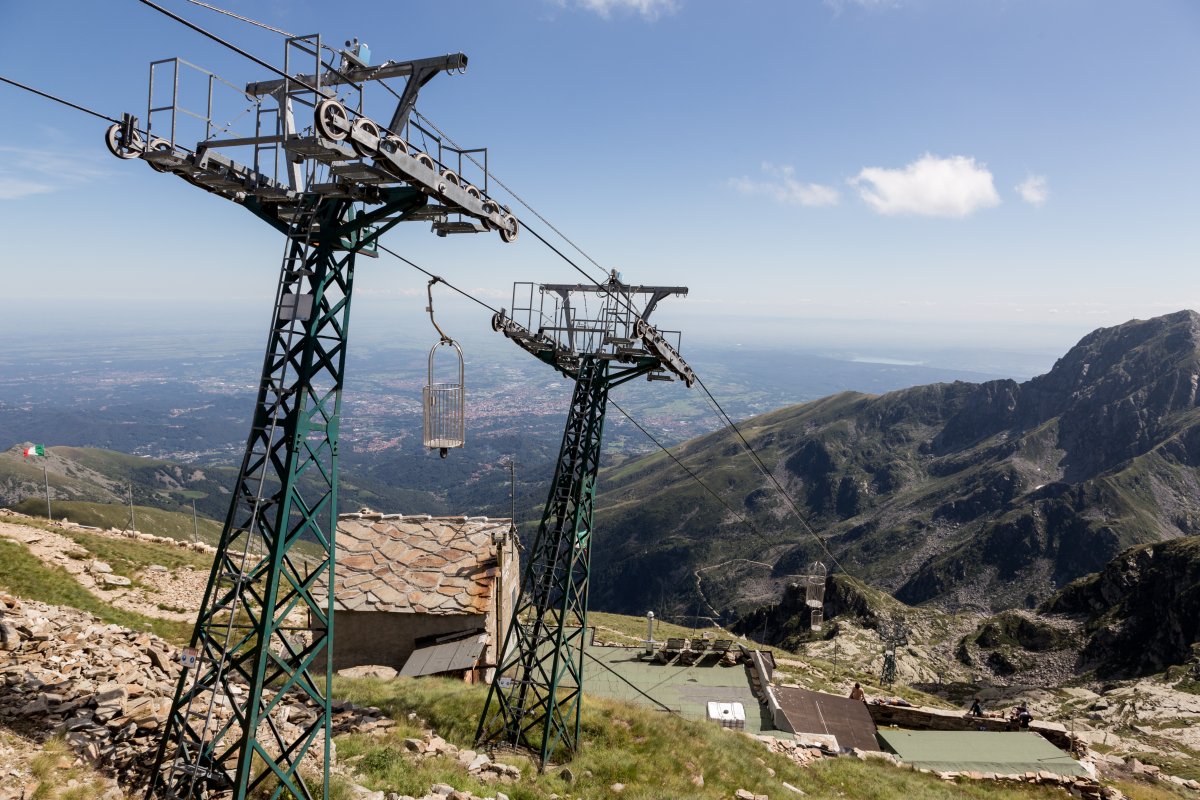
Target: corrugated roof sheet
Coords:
[(979, 751), (816, 712), (446, 657), (416, 564)]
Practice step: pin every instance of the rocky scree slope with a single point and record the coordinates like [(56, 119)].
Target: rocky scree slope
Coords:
[(985, 496), (1142, 612)]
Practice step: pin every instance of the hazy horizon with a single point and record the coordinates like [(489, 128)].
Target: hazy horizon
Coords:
[(1019, 349)]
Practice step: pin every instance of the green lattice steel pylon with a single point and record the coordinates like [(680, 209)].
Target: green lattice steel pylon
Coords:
[(252, 643), (537, 687), (312, 180), (535, 698)]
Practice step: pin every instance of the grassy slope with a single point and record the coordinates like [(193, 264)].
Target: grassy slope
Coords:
[(26, 576), (661, 524), (174, 524), (128, 556), (623, 744)]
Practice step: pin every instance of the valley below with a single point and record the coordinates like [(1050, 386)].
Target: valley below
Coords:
[(1142, 734)]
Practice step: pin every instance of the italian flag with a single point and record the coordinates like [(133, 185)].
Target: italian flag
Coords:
[(35, 450)]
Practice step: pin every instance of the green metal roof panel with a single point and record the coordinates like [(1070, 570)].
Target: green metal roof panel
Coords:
[(619, 673), (1005, 753)]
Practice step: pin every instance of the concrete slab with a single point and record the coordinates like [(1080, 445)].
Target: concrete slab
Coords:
[(619, 673)]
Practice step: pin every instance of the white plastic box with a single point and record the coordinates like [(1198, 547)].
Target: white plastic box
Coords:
[(728, 715)]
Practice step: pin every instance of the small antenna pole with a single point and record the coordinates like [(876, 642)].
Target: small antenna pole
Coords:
[(512, 491)]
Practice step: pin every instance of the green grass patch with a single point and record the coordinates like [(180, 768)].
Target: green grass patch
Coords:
[(1144, 790), (128, 556), (655, 755), (174, 524), (55, 767), (25, 575), (1188, 768)]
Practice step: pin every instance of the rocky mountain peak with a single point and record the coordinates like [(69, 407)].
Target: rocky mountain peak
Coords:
[(1117, 391), (966, 495), (1134, 355)]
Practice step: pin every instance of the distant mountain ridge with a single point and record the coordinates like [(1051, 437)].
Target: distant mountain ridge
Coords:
[(93, 475), (987, 495), (104, 476)]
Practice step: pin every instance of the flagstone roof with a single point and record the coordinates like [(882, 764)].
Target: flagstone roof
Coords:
[(416, 564)]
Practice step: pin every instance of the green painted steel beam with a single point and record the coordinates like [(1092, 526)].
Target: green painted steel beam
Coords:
[(225, 730), (534, 701)]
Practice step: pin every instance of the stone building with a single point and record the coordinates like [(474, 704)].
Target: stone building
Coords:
[(423, 594)]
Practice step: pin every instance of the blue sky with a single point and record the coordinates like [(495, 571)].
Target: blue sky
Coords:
[(942, 171)]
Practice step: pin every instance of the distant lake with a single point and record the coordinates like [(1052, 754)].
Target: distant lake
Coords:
[(882, 360)]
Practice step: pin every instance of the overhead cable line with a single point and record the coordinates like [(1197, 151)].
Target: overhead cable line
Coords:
[(238, 50), (272, 29), (778, 486), (255, 22), (49, 96), (750, 450), (465, 294), (506, 188), (470, 156), (740, 517), (721, 411)]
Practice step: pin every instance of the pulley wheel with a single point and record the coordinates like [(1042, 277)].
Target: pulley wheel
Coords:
[(472, 191), (393, 144), (331, 119), (118, 146), (510, 228), (490, 207), (423, 158), (364, 127), (160, 146), (450, 177)]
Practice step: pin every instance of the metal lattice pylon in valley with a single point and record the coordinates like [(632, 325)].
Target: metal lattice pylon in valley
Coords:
[(252, 709), (534, 699), (894, 633)]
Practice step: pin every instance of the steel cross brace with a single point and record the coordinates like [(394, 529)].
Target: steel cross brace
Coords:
[(534, 701), (286, 494)]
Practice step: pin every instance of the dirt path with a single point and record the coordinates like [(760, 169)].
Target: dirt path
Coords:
[(157, 591)]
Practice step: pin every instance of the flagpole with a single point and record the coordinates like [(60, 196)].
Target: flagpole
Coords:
[(46, 476)]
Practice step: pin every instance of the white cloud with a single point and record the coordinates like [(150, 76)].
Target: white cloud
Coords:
[(647, 9), (930, 186), (1034, 190), (39, 172), (839, 6), (783, 187), (13, 188)]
